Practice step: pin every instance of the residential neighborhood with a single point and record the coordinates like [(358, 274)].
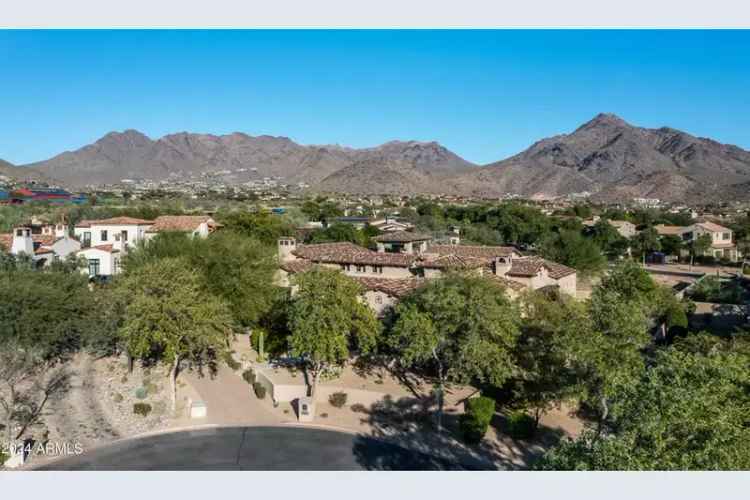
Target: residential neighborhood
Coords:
[(283, 285)]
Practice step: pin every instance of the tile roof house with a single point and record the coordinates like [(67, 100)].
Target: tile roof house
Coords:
[(390, 272), (199, 225), (722, 244), (43, 248), (104, 241)]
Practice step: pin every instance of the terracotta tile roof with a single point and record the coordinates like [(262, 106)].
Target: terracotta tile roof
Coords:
[(478, 251), (296, 266), (530, 266), (320, 251), (713, 227), (401, 237), (44, 239), (43, 250), (6, 240), (116, 221), (452, 261), (349, 253), (513, 285), (557, 270), (178, 223), (392, 287), (665, 230)]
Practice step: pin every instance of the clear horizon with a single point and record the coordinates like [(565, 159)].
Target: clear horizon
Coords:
[(483, 94)]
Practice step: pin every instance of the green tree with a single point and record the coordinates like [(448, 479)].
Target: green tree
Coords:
[(462, 328), (261, 225), (645, 242), (544, 376), (688, 412), (325, 318), (47, 310), (171, 317), (699, 246), (672, 245), (572, 249), (611, 242), (234, 267)]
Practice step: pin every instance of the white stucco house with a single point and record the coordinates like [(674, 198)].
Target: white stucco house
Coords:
[(105, 242), (102, 260), (44, 247)]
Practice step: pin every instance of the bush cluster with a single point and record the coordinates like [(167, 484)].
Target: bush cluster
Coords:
[(142, 409), (521, 425), (141, 393), (337, 399), (476, 420), (249, 376), (231, 362), (260, 390)]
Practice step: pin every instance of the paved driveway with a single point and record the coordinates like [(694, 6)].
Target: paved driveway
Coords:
[(252, 448)]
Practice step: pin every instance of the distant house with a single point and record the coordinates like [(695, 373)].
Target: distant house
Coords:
[(625, 228), (121, 232), (194, 225), (389, 224), (43, 247), (104, 242), (405, 261), (722, 244), (33, 194)]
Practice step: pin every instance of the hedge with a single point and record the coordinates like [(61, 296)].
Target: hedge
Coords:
[(521, 425), (337, 399), (142, 409), (475, 421), (260, 390)]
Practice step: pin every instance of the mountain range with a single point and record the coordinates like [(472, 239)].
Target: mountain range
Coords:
[(606, 157)]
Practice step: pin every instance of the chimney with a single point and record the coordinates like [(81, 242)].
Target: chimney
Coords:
[(501, 265), (287, 245), (22, 241)]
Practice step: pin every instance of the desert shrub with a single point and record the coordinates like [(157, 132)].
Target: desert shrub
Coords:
[(117, 398), (249, 376), (231, 362), (476, 420), (151, 388), (358, 408), (521, 425), (141, 393), (142, 409), (160, 407), (260, 390), (337, 399), (124, 379)]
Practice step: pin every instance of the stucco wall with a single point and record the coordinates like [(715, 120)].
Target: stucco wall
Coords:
[(65, 246), (568, 284), (106, 260), (379, 301)]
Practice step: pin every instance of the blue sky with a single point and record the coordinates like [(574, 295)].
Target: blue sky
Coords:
[(483, 94)]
